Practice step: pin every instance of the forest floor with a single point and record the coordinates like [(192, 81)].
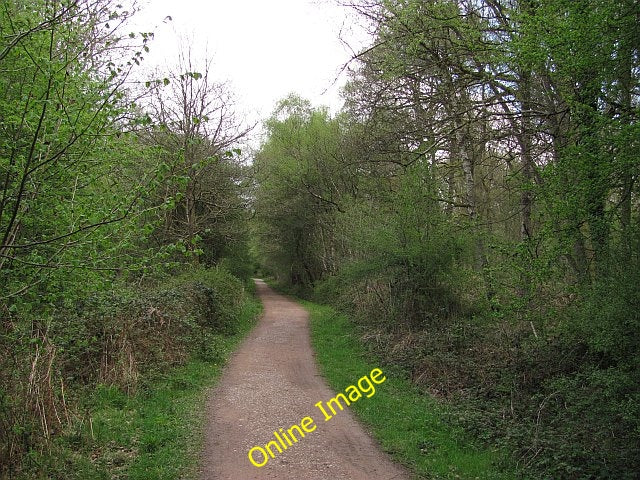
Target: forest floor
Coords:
[(272, 383)]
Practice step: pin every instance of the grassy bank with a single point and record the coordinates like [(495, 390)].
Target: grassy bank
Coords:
[(152, 434), (406, 423)]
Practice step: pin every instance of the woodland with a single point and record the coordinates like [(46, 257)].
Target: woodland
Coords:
[(473, 208)]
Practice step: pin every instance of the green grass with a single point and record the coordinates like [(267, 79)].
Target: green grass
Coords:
[(155, 434), (407, 423)]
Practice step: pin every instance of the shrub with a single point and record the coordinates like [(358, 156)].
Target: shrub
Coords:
[(113, 339)]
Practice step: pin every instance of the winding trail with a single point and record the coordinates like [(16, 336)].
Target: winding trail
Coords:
[(272, 382)]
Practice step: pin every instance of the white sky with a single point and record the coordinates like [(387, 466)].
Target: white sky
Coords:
[(264, 49)]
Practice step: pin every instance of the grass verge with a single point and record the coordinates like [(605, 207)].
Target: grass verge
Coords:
[(155, 434), (407, 424)]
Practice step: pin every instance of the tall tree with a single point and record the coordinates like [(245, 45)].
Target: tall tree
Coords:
[(300, 179), (196, 127)]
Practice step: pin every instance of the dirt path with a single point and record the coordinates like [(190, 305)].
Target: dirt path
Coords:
[(272, 382)]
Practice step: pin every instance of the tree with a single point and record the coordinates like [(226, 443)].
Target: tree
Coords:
[(60, 116), (195, 126), (300, 178)]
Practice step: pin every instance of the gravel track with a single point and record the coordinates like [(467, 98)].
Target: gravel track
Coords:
[(272, 382)]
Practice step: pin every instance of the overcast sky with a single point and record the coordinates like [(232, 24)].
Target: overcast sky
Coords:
[(266, 49)]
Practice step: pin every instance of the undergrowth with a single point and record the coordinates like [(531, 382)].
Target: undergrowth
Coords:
[(127, 378), (552, 381)]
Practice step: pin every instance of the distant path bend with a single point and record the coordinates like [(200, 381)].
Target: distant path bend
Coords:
[(271, 382)]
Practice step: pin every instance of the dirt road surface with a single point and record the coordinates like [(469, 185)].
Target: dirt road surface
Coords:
[(272, 382)]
